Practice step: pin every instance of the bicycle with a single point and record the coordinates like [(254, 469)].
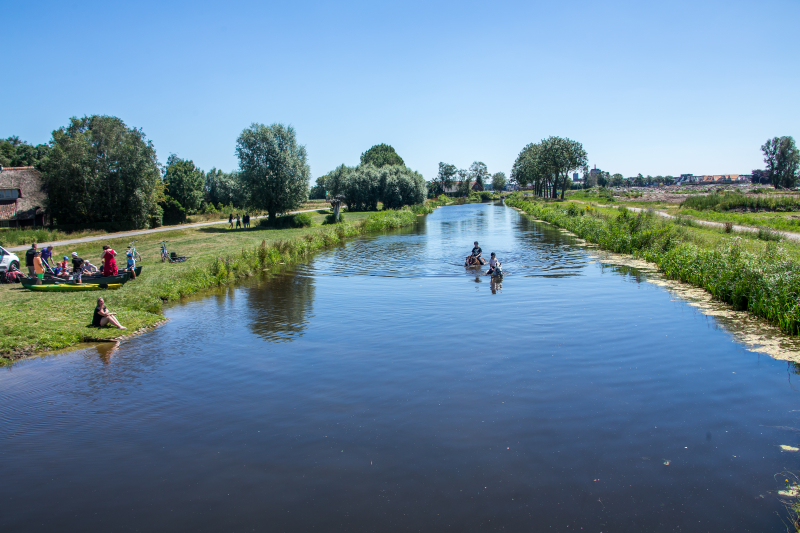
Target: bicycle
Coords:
[(172, 257), (134, 253)]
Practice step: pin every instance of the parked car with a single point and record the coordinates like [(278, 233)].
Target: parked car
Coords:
[(7, 260)]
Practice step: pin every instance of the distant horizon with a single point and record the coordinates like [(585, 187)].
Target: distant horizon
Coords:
[(637, 84)]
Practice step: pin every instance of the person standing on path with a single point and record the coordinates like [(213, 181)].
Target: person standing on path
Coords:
[(109, 263), (29, 255), (230, 221), (238, 221)]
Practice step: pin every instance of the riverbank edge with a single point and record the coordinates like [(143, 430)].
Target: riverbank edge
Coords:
[(764, 285), (218, 271)]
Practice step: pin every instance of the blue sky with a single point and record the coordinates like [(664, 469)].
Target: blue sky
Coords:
[(657, 88)]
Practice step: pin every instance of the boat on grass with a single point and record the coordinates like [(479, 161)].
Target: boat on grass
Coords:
[(72, 287)]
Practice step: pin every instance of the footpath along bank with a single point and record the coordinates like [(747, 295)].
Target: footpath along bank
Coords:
[(762, 278), (34, 322)]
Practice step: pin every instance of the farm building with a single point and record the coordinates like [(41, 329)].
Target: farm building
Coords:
[(22, 198)]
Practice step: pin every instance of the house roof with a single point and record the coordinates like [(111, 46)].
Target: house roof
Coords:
[(28, 181)]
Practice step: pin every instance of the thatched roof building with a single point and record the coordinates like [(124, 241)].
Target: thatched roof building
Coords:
[(22, 197)]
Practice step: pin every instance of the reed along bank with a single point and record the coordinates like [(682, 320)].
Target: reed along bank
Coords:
[(33, 322), (763, 280)]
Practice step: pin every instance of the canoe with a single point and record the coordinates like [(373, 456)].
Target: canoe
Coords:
[(87, 278), (72, 287)]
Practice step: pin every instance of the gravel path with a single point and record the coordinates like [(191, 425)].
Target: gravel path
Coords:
[(749, 229), (109, 236)]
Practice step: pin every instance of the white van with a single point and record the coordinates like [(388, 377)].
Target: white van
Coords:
[(7, 259)]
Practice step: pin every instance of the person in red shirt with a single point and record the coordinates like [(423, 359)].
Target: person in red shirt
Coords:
[(109, 263)]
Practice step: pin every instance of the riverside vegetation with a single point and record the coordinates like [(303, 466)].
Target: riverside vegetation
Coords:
[(31, 322), (762, 278)]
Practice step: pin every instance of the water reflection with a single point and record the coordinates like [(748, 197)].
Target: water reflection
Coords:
[(281, 306)]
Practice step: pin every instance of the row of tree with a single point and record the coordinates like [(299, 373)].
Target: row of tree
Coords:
[(449, 177), (547, 165), (381, 176)]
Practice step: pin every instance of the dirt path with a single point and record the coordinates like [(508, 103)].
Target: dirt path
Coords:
[(109, 236), (720, 225)]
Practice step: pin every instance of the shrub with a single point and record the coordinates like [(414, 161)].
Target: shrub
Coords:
[(421, 209), (768, 235), (389, 219), (728, 227), (330, 220), (300, 220), (574, 210)]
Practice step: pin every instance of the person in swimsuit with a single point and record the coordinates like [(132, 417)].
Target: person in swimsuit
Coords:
[(102, 316)]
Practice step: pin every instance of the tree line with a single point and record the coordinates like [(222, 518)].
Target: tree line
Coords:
[(449, 177), (381, 176), (97, 172), (547, 165)]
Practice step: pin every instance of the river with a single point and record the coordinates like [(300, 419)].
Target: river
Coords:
[(381, 387)]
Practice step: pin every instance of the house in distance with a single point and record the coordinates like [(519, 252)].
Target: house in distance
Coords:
[(22, 198)]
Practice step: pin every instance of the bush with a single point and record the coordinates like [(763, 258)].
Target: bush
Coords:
[(389, 219), (421, 209), (300, 220), (574, 210), (330, 220), (736, 200)]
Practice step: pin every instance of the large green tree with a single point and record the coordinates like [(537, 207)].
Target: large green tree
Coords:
[(184, 182), (222, 188), (98, 170), (479, 173), (401, 186), (498, 181), (446, 177), (381, 155), (782, 160), (17, 153), (547, 165), (273, 168)]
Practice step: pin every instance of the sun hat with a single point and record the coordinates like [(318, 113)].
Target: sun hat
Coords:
[(65, 258), (75, 254)]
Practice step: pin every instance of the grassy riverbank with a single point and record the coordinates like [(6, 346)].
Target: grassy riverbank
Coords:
[(31, 322), (760, 277)]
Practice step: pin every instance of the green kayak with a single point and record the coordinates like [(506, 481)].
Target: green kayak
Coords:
[(70, 287)]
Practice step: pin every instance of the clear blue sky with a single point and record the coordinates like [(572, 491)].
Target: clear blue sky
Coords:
[(651, 87)]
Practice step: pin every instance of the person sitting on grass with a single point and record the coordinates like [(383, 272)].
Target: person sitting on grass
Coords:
[(103, 317)]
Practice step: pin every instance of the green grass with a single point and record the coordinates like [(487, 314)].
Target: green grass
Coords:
[(18, 237), (31, 322), (775, 220), (737, 201), (757, 276)]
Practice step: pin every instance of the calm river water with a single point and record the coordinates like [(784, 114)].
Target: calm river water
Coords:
[(380, 387)]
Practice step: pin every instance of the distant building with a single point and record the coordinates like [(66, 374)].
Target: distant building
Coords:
[(22, 197), (576, 177)]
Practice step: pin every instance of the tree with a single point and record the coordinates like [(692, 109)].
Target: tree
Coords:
[(617, 180), (782, 160), (463, 182), (478, 173), (361, 188), (17, 153), (222, 188), (98, 170), (759, 176), (318, 190), (498, 181), (184, 182), (336, 179), (381, 155), (401, 186), (273, 168), (446, 176)]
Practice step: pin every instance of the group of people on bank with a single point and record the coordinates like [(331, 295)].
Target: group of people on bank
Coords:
[(241, 221), (40, 261), (475, 258)]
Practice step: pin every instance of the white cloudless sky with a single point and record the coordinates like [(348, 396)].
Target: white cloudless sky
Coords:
[(647, 87)]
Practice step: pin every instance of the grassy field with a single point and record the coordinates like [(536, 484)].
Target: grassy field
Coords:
[(31, 322)]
